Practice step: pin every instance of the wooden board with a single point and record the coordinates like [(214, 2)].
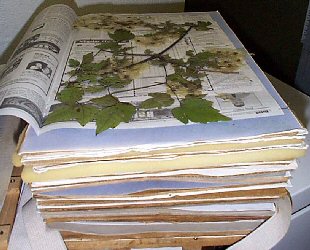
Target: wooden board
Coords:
[(8, 212), (187, 242)]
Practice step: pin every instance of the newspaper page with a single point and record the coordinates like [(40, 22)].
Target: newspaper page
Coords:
[(26, 80), (151, 60)]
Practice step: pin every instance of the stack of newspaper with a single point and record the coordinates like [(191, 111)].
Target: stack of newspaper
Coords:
[(185, 141)]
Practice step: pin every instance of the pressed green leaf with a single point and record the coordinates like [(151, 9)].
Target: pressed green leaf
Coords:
[(201, 59), (105, 101), (177, 77), (203, 26), (85, 113), (197, 110), (109, 45), (88, 58), (158, 100), (112, 116), (94, 89), (177, 62), (87, 77), (81, 113), (60, 114), (95, 67), (180, 114), (121, 35), (70, 95), (74, 63), (114, 81)]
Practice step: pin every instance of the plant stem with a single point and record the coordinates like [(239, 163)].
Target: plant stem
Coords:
[(219, 71), (98, 52), (144, 87), (121, 53), (163, 51)]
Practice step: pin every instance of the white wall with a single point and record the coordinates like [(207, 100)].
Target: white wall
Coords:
[(13, 16), (15, 13)]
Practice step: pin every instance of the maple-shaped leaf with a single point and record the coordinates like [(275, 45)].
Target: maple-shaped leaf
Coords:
[(158, 100), (121, 35), (111, 117), (81, 113), (197, 110), (105, 101), (70, 95), (74, 63), (60, 114), (88, 58), (85, 113), (203, 26)]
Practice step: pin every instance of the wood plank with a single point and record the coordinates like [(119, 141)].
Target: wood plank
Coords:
[(73, 236), (186, 242), (8, 212)]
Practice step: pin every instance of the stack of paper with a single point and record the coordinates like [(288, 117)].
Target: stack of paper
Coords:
[(188, 181), (203, 144)]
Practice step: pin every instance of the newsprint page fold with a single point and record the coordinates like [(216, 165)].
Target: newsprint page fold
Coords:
[(132, 71)]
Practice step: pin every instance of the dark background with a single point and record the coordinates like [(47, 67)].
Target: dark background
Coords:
[(271, 29)]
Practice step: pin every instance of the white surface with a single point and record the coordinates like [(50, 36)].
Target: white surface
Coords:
[(13, 16), (297, 236), (300, 105)]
